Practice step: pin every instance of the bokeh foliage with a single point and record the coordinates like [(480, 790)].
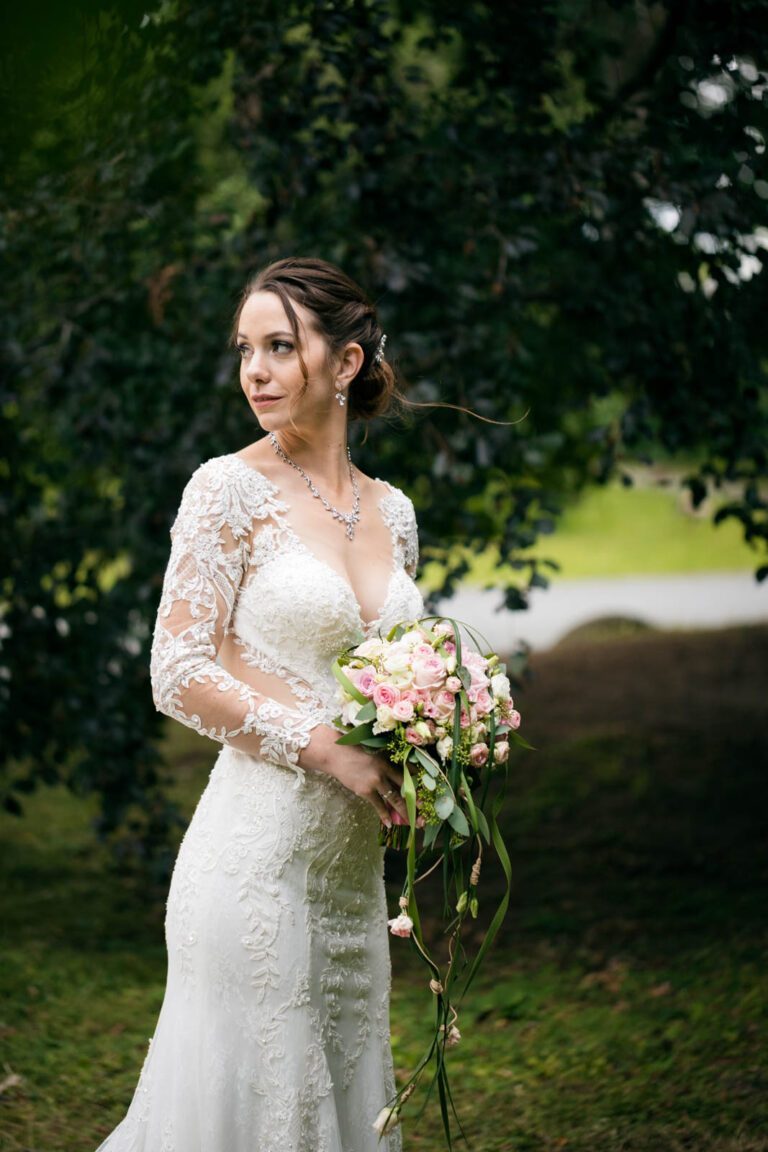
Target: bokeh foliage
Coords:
[(557, 207)]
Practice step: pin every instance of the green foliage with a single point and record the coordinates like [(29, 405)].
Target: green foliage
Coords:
[(501, 178), (625, 1006)]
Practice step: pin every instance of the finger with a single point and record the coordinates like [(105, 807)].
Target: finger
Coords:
[(390, 794), (378, 803), (395, 775), (396, 801)]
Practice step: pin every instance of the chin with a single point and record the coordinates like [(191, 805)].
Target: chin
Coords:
[(268, 421)]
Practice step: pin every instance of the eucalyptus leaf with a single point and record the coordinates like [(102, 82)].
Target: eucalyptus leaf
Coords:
[(426, 761), (366, 713), (430, 834), (444, 805), (458, 821)]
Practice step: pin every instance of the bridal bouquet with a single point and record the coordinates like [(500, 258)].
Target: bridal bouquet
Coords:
[(444, 714)]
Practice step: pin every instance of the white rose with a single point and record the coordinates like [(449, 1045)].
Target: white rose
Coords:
[(500, 688), (411, 639), (385, 720), (450, 664), (370, 649), (397, 660), (349, 711), (445, 747)]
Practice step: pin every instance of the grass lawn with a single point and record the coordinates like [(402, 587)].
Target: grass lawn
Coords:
[(617, 531), (626, 1006)]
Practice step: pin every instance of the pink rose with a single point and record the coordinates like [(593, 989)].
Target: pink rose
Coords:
[(428, 671), (514, 719), (453, 684), (501, 752), (443, 705), (384, 694), (364, 679), (476, 666), (414, 737), (402, 710), (422, 650), (484, 702), (478, 754), (465, 719), (417, 696), (401, 925)]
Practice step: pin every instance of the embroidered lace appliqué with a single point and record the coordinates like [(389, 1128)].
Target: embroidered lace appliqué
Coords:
[(274, 1030)]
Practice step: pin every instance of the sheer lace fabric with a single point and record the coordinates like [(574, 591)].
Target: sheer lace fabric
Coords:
[(273, 1035)]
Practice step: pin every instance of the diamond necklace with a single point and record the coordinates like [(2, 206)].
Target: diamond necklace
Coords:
[(349, 519)]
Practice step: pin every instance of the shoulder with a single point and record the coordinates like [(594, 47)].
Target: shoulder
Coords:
[(398, 508), (224, 489), (395, 495)]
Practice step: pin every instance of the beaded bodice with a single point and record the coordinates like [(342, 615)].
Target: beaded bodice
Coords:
[(238, 571)]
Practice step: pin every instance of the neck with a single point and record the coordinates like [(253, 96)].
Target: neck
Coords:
[(325, 460)]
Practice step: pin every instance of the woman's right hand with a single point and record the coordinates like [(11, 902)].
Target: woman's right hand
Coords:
[(371, 777)]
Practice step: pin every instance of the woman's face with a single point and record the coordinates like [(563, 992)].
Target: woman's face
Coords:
[(270, 371)]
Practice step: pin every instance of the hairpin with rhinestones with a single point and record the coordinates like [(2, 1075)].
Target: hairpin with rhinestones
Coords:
[(378, 355)]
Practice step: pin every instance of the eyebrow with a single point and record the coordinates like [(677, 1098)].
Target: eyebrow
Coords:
[(269, 335)]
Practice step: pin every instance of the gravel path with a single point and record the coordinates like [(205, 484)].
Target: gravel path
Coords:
[(696, 600)]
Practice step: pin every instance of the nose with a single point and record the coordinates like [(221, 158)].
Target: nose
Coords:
[(256, 366)]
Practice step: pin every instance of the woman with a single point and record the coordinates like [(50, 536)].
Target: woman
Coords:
[(273, 1035)]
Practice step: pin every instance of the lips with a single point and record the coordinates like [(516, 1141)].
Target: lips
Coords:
[(263, 398)]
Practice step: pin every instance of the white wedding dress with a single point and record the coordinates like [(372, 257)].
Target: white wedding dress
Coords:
[(273, 1035)]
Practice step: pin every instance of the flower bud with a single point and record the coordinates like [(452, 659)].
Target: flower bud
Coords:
[(386, 1120)]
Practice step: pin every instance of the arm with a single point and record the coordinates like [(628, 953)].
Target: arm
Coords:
[(208, 558)]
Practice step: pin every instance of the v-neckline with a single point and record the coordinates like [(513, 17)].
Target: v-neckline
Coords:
[(367, 626)]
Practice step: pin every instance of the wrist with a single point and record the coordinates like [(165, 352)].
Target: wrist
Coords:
[(318, 755)]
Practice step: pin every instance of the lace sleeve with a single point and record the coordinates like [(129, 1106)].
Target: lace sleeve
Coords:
[(209, 554), (410, 539)]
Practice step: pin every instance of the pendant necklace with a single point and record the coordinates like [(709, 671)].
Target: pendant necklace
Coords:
[(349, 519)]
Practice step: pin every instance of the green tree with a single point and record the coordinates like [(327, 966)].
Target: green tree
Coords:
[(557, 207)]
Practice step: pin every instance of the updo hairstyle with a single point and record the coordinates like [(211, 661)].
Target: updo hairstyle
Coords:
[(342, 314)]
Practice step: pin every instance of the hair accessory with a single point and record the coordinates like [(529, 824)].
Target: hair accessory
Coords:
[(378, 355), (341, 398)]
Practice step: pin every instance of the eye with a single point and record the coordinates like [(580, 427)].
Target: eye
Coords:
[(243, 350), (282, 346)]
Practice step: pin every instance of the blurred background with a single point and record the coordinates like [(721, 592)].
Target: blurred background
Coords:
[(560, 211)]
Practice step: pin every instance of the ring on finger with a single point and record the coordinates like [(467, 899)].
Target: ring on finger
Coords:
[(386, 795)]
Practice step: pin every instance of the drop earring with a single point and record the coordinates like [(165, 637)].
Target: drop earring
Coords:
[(341, 398)]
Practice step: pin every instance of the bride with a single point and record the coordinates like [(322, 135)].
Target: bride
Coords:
[(273, 1035)]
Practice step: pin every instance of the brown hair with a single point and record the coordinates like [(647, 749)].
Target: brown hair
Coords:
[(342, 314)]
